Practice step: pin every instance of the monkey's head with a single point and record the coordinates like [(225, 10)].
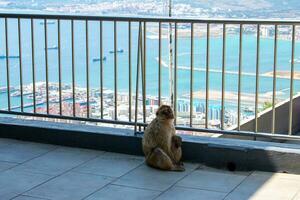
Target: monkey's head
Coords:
[(165, 112)]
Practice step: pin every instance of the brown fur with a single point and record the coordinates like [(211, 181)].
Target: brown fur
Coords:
[(162, 148)]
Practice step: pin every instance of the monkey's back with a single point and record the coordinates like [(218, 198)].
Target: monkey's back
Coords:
[(157, 134)]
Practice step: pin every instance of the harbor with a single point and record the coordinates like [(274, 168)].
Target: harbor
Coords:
[(183, 104)]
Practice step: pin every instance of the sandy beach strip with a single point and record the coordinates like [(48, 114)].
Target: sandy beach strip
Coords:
[(283, 74), (246, 98)]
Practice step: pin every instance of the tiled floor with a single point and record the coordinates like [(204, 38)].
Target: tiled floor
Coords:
[(32, 171)]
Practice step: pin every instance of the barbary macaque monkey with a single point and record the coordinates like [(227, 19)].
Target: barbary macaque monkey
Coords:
[(161, 145)]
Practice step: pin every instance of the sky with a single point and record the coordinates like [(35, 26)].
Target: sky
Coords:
[(188, 8)]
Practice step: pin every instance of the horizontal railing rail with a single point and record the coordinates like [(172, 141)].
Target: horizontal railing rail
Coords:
[(152, 19), (135, 35)]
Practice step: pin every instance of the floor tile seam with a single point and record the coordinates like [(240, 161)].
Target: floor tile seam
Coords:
[(136, 158), (172, 185), (112, 181), (97, 190), (203, 189), (298, 192), (9, 162), (123, 159), (134, 187), (40, 155), (56, 176), (238, 185), (58, 147), (99, 156), (26, 195), (140, 164), (15, 164), (137, 187), (94, 174)]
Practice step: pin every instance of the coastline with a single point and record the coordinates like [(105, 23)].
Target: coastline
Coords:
[(279, 74), (216, 31), (232, 97), (283, 74)]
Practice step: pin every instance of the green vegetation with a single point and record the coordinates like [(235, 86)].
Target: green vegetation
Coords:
[(267, 105)]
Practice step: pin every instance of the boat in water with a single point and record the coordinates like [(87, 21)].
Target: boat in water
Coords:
[(54, 47), (48, 22), (16, 94), (3, 89), (296, 60), (249, 110), (118, 51), (99, 59), (4, 56)]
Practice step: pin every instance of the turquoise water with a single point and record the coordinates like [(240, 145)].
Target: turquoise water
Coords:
[(249, 59)]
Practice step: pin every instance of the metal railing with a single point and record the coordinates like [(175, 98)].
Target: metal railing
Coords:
[(141, 23)]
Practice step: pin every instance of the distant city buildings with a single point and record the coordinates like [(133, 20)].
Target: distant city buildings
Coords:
[(108, 110)]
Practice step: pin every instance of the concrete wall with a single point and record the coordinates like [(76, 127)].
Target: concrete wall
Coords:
[(281, 118)]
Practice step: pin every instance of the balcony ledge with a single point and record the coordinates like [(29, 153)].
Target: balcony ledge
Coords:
[(216, 152)]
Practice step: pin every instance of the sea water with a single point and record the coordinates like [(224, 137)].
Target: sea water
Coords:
[(248, 80)]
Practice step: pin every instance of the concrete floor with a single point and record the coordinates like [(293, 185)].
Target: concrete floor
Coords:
[(32, 171)]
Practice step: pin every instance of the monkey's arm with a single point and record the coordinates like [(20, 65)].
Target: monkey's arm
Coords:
[(176, 151), (176, 141)]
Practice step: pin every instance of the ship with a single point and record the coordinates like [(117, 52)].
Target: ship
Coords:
[(48, 22), (249, 110), (16, 94), (99, 59), (54, 47), (4, 56), (296, 60), (4, 89), (118, 51)]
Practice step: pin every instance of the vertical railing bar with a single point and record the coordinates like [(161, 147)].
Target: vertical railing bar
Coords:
[(207, 75), (59, 67), (223, 77), (171, 82), (129, 69), (20, 62), (292, 82), (257, 76), (192, 74), (33, 65), (115, 71), (274, 79), (7, 65), (144, 72), (137, 78), (175, 74), (46, 65), (159, 63), (240, 76), (73, 69), (142, 68), (101, 68), (87, 68)]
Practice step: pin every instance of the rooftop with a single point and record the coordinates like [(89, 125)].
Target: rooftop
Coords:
[(32, 171)]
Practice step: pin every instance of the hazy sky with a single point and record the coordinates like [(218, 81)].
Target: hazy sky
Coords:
[(199, 8)]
